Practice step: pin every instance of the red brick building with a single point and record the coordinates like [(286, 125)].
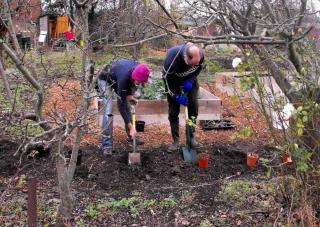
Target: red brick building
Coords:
[(25, 16), (25, 10)]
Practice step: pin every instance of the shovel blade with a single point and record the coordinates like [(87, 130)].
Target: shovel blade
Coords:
[(189, 155), (134, 158)]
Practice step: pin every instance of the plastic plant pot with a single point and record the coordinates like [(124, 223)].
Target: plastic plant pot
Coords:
[(203, 160), (286, 158), (252, 159), (140, 126)]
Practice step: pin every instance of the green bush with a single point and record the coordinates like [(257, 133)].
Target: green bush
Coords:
[(213, 66), (153, 90)]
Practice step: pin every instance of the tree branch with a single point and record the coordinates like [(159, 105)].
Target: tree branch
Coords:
[(167, 13), (141, 41), (6, 83), (27, 75), (302, 11)]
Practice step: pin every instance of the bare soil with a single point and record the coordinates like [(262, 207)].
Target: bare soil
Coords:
[(162, 175), (182, 194)]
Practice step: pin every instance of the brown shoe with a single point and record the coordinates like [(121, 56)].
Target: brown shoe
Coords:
[(107, 151)]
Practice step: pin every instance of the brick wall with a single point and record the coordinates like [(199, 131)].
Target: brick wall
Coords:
[(25, 10)]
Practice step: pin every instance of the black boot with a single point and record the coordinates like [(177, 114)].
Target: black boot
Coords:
[(175, 136), (194, 143)]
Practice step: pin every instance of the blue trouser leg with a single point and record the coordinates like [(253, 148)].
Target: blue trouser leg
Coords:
[(107, 120), (128, 111)]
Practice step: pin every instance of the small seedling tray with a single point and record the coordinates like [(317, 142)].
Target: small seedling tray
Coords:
[(216, 124)]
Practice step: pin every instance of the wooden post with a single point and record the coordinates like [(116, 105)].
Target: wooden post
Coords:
[(32, 202)]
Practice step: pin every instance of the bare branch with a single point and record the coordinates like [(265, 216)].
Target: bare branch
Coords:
[(302, 11), (141, 41), (6, 83), (167, 13), (11, 28), (286, 8), (270, 11), (80, 4), (21, 66), (227, 39)]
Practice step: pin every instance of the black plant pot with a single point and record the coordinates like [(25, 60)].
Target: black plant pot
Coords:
[(140, 126)]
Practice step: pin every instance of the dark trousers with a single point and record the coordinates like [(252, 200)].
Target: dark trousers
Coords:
[(174, 110)]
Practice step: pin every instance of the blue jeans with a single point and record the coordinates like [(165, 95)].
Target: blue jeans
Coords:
[(105, 93)]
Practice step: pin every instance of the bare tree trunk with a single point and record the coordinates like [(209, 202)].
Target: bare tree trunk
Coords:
[(66, 198), (12, 32), (6, 83), (278, 75), (66, 171)]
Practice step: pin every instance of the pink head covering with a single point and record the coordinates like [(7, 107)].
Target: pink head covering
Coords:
[(140, 73)]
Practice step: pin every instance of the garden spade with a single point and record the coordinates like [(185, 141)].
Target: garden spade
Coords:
[(134, 157), (189, 154)]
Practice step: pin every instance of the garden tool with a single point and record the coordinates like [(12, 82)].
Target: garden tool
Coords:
[(189, 154), (134, 157)]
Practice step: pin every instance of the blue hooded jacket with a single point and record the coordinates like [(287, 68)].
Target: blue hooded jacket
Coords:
[(118, 74)]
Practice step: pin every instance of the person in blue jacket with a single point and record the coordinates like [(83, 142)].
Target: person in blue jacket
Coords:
[(182, 65), (123, 76)]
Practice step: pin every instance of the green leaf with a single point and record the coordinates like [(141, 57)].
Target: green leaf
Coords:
[(269, 172), (300, 131), (149, 203), (299, 123), (91, 212), (302, 167), (234, 98), (168, 202), (305, 118)]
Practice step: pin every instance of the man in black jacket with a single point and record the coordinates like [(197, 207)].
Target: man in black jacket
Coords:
[(182, 65)]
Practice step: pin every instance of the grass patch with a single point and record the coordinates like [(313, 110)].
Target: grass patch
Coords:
[(135, 205), (25, 127), (260, 194), (168, 202)]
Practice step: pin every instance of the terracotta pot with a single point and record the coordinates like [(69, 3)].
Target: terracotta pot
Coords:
[(203, 160), (252, 159), (286, 158)]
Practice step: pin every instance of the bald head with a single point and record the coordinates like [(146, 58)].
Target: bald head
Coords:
[(192, 54)]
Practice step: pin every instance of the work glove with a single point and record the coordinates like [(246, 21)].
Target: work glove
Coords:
[(187, 85), (132, 101), (181, 99)]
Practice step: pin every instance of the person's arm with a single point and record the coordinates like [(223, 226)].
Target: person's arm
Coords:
[(123, 98)]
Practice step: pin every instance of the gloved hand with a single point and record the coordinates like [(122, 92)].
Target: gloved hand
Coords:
[(187, 85), (181, 99), (132, 101)]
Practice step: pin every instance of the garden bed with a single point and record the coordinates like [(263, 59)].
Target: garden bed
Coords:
[(156, 111)]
